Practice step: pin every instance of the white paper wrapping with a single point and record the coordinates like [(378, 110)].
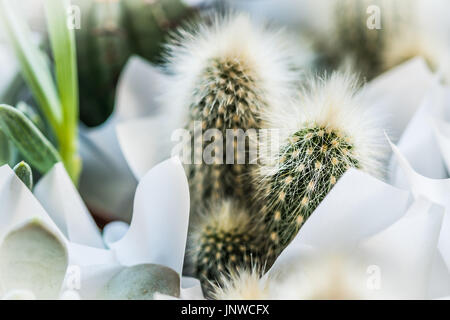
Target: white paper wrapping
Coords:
[(134, 139), (157, 233), (401, 226)]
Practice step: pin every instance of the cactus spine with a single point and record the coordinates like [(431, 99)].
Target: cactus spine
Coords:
[(229, 101), (225, 74), (315, 151), (243, 284), (224, 240)]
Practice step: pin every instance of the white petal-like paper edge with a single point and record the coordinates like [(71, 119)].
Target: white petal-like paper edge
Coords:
[(114, 231), (139, 85), (399, 92), (433, 189), (358, 206), (404, 251), (418, 143), (158, 229), (191, 289), (442, 132), (18, 204), (144, 142), (106, 183), (90, 269), (62, 202)]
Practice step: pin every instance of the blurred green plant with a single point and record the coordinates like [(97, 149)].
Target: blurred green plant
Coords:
[(111, 31), (56, 96)]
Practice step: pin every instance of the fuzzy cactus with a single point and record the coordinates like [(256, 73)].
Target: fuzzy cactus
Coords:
[(243, 284), (224, 239), (224, 75), (327, 132)]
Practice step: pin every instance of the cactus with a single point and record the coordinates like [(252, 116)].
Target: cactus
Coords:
[(224, 75), (328, 131), (243, 284), (148, 22), (111, 31), (224, 239), (356, 45)]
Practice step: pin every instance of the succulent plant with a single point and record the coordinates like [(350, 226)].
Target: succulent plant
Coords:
[(224, 239), (224, 75), (243, 284), (327, 132), (110, 33), (353, 44), (23, 171)]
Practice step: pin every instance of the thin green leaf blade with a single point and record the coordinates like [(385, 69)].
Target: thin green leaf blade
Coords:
[(34, 68), (34, 146), (62, 39)]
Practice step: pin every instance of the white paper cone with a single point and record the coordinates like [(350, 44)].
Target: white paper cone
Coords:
[(158, 229), (58, 196)]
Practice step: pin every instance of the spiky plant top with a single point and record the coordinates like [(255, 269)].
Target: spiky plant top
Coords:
[(224, 74), (224, 239), (327, 132), (243, 284)]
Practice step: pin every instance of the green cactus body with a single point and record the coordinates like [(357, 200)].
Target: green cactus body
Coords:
[(309, 165), (111, 31), (358, 45), (102, 50), (223, 241), (226, 98), (147, 24)]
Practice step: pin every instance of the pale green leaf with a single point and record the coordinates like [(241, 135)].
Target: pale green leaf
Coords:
[(62, 40), (32, 258), (33, 145), (141, 282), (23, 171)]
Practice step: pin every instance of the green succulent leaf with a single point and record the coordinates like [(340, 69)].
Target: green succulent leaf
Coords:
[(23, 171), (34, 146), (33, 258), (31, 114), (141, 282), (5, 149)]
